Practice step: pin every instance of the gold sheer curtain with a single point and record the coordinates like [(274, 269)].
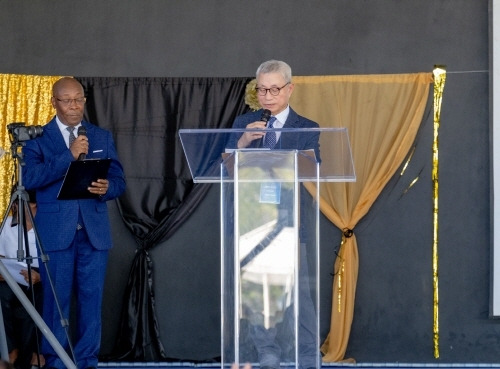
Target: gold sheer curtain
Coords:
[(23, 98), (382, 114)]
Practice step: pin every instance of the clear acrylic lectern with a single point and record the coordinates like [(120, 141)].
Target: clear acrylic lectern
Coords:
[(269, 239)]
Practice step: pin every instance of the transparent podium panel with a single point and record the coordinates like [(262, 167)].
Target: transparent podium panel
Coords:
[(269, 237), (269, 259), (204, 149)]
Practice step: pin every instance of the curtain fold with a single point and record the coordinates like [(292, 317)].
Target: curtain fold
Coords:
[(145, 115), (23, 98), (382, 114)]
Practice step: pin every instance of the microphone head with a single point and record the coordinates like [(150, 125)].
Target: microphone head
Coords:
[(266, 114), (82, 131)]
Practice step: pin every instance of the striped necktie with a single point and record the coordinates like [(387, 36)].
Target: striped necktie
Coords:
[(270, 139)]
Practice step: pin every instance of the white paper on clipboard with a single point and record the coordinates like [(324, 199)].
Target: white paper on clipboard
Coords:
[(14, 267)]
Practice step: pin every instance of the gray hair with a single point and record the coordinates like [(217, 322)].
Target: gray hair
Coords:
[(275, 66)]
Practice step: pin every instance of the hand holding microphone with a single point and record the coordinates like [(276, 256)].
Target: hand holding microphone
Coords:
[(247, 137), (80, 146)]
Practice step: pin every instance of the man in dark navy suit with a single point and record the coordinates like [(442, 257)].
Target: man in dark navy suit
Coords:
[(274, 88), (75, 234)]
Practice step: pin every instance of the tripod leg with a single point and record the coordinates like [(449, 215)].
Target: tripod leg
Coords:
[(20, 197), (32, 339), (47, 276), (36, 317)]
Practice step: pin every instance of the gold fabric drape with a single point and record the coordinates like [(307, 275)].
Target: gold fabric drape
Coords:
[(23, 98), (382, 114), (439, 82)]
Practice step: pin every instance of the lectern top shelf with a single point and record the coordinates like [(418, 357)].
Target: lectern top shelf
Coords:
[(207, 149)]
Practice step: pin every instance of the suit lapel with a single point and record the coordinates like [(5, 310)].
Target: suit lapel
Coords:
[(52, 131), (292, 121), (289, 140)]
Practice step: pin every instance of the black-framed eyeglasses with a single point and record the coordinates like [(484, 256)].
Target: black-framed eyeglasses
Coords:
[(275, 91), (67, 102)]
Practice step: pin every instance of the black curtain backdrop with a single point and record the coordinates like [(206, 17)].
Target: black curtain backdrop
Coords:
[(145, 115)]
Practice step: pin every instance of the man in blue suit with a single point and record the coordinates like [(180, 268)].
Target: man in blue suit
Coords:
[(274, 88), (75, 234)]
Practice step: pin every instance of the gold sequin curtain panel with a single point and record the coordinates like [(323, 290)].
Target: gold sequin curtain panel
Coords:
[(383, 114), (23, 98)]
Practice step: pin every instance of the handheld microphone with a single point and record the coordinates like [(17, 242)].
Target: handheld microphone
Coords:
[(266, 114), (82, 132)]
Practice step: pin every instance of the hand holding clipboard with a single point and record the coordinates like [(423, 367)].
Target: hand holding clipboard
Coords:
[(79, 177)]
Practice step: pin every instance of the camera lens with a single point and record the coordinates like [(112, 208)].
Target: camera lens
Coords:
[(19, 132), (34, 131)]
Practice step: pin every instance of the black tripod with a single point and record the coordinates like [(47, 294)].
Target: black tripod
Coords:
[(20, 197)]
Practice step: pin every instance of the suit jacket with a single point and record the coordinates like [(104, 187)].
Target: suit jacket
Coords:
[(301, 141), (46, 160)]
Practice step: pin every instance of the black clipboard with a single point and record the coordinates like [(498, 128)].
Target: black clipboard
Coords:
[(80, 175)]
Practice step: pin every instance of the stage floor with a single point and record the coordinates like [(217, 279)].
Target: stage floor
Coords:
[(185, 365)]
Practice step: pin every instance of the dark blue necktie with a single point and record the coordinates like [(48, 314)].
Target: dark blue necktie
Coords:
[(270, 139)]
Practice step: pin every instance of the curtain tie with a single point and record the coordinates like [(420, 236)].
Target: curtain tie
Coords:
[(348, 233)]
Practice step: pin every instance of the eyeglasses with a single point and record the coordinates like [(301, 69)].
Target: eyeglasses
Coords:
[(67, 102), (275, 91)]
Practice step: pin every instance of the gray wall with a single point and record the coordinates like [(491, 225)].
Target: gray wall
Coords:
[(205, 38)]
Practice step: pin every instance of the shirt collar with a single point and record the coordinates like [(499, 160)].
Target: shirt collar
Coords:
[(281, 118), (63, 126)]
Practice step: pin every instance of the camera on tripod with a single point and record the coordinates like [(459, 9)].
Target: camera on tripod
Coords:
[(18, 132)]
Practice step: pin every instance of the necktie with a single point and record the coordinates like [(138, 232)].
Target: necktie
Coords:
[(270, 139), (71, 135)]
